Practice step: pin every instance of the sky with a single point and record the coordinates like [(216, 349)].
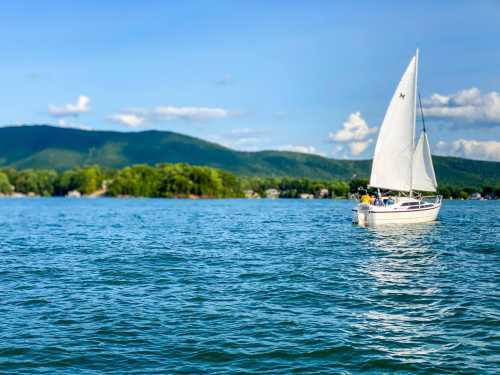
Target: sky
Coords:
[(309, 76)]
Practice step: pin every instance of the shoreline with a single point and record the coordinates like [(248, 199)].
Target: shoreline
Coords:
[(194, 198)]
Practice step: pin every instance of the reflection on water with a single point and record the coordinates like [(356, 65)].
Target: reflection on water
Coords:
[(402, 260), (400, 252)]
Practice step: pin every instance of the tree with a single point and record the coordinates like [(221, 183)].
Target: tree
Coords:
[(444, 191), (339, 189), (356, 183), (40, 182), (5, 186)]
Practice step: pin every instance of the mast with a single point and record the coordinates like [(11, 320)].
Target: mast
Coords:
[(414, 123)]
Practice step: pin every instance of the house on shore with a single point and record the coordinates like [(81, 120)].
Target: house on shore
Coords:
[(250, 194), (272, 193)]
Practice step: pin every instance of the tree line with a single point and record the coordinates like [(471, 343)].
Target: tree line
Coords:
[(183, 180)]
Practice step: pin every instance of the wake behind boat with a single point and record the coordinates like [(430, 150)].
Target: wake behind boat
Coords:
[(399, 166)]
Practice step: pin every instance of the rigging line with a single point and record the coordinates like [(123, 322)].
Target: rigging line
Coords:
[(421, 111)]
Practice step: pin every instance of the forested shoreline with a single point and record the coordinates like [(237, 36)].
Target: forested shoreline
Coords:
[(188, 181)]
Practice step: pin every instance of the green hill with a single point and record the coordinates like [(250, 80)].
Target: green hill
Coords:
[(59, 148)]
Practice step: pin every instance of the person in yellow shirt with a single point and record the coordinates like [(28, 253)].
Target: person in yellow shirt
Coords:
[(365, 198)]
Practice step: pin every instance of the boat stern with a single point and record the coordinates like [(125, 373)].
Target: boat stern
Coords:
[(360, 214)]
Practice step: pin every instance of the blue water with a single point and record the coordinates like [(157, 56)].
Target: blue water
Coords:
[(287, 286)]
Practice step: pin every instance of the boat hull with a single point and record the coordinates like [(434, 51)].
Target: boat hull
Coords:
[(367, 216)]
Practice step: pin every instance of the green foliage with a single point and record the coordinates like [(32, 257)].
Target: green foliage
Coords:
[(5, 186), (85, 180), (40, 182), (445, 191), (357, 183), (184, 180), (339, 189), (62, 149), (463, 194), (293, 187), (136, 181), (174, 180)]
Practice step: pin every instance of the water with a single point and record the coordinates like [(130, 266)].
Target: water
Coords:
[(179, 286)]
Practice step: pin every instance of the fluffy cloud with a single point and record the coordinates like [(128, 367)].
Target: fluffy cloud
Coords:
[(354, 137), (138, 117), (245, 139), (244, 131), (352, 149), (245, 143), (133, 120), (301, 149), (354, 129), (357, 148), (64, 124), (189, 113), (471, 149), (468, 104), (81, 106)]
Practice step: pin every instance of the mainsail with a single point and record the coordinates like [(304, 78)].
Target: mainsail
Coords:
[(392, 160), (397, 163)]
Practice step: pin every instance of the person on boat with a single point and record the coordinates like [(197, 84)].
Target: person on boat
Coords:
[(365, 198), (390, 200)]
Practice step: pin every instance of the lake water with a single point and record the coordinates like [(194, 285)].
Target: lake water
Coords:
[(222, 286)]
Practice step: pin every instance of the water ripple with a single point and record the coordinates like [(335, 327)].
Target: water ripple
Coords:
[(159, 286)]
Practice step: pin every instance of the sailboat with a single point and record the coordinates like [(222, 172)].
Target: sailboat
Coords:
[(401, 170)]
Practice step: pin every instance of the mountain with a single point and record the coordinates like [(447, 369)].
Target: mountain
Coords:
[(42, 146)]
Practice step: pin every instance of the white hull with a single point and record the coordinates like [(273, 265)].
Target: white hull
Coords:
[(367, 215)]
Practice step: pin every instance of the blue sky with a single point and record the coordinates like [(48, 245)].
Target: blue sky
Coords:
[(256, 74)]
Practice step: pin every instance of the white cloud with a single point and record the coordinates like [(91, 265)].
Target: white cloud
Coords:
[(471, 149), (133, 120), (302, 149), (354, 137), (244, 139), (436, 100), (81, 106), (246, 143), (354, 129), (245, 132), (468, 104), (137, 117), (357, 148), (351, 149), (69, 125), (170, 113)]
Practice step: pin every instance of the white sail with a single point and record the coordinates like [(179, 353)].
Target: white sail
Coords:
[(423, 177), (392, 160)]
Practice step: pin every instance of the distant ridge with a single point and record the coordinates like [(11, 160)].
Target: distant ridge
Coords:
[(44, 146)]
